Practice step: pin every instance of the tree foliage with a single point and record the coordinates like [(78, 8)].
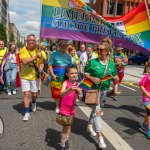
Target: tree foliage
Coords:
[(3, 35)]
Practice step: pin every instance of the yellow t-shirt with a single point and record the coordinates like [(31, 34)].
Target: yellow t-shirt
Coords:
[(28, 71)]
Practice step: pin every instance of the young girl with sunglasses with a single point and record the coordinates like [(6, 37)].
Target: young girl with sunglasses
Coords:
[(69, 93)]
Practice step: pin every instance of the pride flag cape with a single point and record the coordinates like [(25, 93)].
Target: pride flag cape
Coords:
[(75, 20), (135, 24), (85, 84)]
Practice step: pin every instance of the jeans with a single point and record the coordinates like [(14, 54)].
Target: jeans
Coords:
[(95, 118), (11, 77)]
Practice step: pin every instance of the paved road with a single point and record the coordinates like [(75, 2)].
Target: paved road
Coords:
[(121, 123)]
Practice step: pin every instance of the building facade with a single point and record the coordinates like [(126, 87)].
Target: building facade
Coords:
[(13, 30), (4, 14), (115, 8)]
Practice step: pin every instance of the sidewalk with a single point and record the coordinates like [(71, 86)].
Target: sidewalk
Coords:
[(133, 73)]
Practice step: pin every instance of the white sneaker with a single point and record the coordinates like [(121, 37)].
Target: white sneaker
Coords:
[(57, 110), (102, 143), (33, 107), (9, 93), (14, 92), (90, 130), (26, 117)]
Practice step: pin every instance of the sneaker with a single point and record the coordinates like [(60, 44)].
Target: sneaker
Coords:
[(33, 107), (148, 134), (90, 130), (101, 143), (115, 98), (57, 110), (144, 126), (9, 93), (26, 117), (14, 92)]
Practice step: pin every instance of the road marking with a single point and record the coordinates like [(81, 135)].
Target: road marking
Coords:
[(109, 133), (127, 87), (131, 84)]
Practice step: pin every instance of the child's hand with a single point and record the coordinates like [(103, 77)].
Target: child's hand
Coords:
[(73, 88)]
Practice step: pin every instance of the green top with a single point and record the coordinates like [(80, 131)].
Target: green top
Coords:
[(96, 69)]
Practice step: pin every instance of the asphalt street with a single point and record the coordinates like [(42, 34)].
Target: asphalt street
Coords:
[(121, 123)]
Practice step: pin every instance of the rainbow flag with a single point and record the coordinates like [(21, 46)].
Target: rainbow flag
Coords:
[(147, 105), (85, 84), (135, 24), (75, 20), (45, 78), (105, 78)]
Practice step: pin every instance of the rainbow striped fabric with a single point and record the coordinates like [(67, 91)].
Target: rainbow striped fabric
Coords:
[(75, 20), (107, 77), (147, 104), (85, 84), (45, 78), (134, 24)]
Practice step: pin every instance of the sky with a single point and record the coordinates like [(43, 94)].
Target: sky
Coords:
[(25, 14)]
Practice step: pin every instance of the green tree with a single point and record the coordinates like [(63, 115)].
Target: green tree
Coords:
[(3, 35), (12, 37)]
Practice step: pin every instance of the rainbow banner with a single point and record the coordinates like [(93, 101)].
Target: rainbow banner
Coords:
[(85, 84), (75, 20), (135, 24)]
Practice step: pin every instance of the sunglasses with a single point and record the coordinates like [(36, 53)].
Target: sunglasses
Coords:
[(100, 49)]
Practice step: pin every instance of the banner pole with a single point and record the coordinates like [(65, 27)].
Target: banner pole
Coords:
[(147, 10)]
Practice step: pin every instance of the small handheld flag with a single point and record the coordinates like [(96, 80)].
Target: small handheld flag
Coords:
[(45, 78), (85, 84), (106, 78)]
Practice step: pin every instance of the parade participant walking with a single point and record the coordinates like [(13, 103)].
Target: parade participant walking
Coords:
[(145, 88), (121, 61), (3, 55), (83, 61), (95, 70), (57, 66), (69, 93), (74, 56), (31, 60), (12, 66)]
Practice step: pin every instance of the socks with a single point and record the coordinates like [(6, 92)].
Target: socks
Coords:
[(63, 143), (101, 140), (27, 110)]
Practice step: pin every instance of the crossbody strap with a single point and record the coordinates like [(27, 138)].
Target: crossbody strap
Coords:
[(33, 61)]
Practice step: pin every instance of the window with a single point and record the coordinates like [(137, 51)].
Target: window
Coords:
[(120, 9), (110, 8), (94, 1)]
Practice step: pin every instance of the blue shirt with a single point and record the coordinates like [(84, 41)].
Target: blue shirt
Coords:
[(59, 59)]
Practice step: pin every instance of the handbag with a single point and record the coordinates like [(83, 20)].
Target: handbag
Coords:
[(92, 97), (64, 120), (6, 66)]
